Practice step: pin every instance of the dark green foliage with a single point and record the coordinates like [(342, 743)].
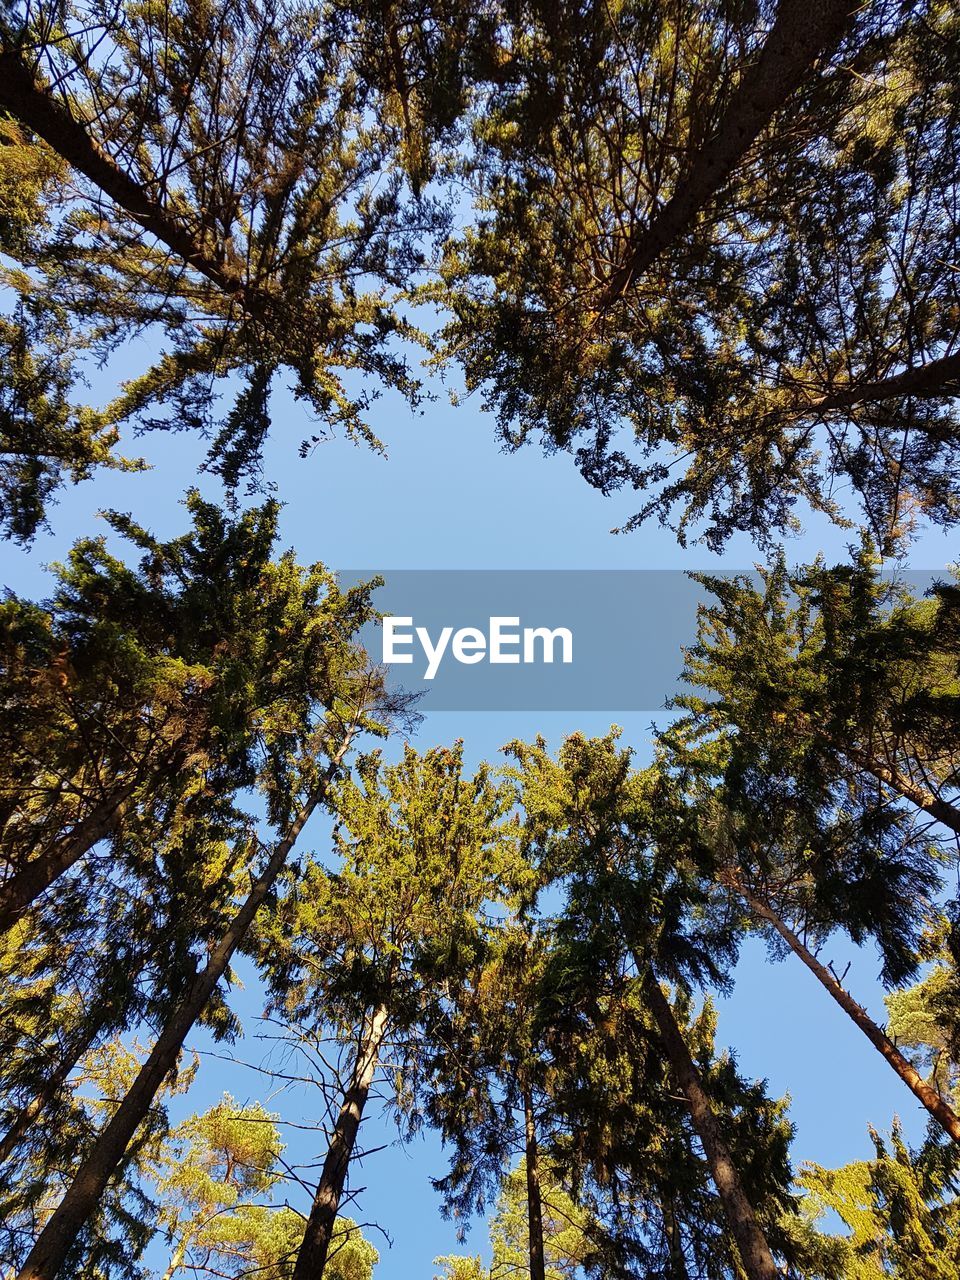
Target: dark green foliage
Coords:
[(728, 332)]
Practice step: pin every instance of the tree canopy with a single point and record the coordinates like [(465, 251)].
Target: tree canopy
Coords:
[(709, 249)]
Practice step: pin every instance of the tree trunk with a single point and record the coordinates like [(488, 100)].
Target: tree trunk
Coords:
[(315, 1246), (176, 1258), (23, 888), (534, 1198), (941, 1112), (36, 107), (755, 1255), (802, 31), (55, 1240), (935, 378), (942, 810), (671, 1229), (48, 1091)]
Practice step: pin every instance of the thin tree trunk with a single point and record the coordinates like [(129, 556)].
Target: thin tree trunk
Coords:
[(36, 107), (23, 888), (945, 1116), (55, 1240), (534, 1197), (315, 1246), (671, 1229), (944, 812), (935, 378), (802, 31), (47, 1092), (176, 1258), (755, 1255)]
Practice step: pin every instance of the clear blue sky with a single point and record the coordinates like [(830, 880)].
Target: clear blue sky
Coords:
[(446, 497)]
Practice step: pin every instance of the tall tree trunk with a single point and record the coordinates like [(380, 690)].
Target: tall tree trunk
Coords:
[(47, 1092), (315, 1246), (802, 31), (942, 810), (534, 1197), (755, 1255), (23, 888), (945, 1116), (36, 107), (54, 1242)]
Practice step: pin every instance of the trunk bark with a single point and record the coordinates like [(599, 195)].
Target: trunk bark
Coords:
[(176, 1259), (315, 1246), (671, 1229), (945, 1116), (54, 1242), (935, 378), (534, 1197), (802, 31), (37, 108), (21, 891), (51, 1087), (755, 1255), (942, 810)]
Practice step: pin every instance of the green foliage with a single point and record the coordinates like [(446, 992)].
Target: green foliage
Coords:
[(900, 1212), (246, 185), (423, 851), (44, 437), (214, 1169), (566, 1244), (168, 689), (709, 326), (817, 741), (172, 696), (111, 1244), (724, 294), (925, 1018)]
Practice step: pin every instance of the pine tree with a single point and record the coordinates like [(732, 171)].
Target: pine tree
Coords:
[(832, 676), (705, 251), (144, 699), (900, 1210), (591, 821), (242, 181), (487, 1093), (213, 1176), (830, 696), (370, 948), (123, 1220), (566, 1241), (307, 733)]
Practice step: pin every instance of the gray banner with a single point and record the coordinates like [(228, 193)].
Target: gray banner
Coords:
[(539, 640)]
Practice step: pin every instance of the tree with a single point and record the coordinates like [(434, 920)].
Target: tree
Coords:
[(566, 1244), (900, 1209), (369, 949), (804, 870), (214, 1170), (487, 1093), (591, 822), (924, 1020), (145, 700), (704, 256), (236, 180), (343, 698), (832, 676), (123, 1220), (798, 776)]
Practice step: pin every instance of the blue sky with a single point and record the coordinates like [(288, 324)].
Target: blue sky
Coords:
[(446, 497)]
